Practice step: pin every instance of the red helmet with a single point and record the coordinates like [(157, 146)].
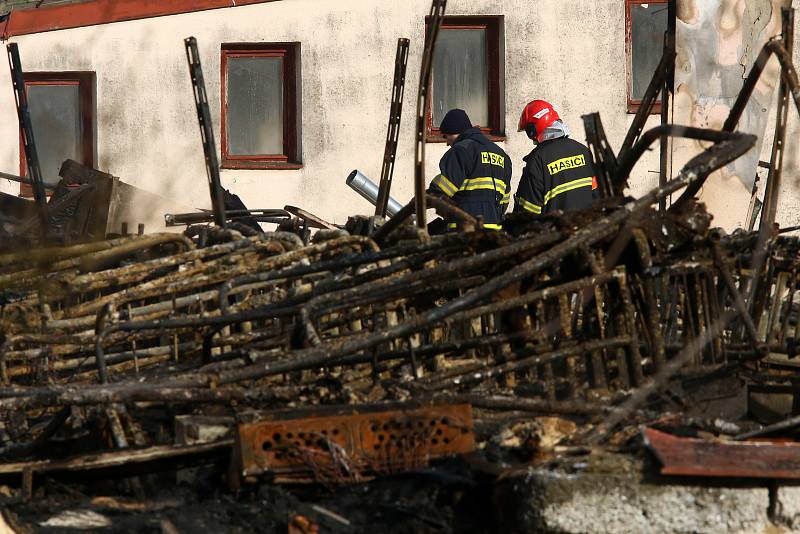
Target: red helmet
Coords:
[(536, 117)]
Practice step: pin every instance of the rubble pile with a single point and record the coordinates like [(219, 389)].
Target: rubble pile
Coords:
[(265, 346)]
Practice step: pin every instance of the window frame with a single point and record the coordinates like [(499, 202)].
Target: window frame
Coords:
[(493, 25), (633, 104), (290, 158), (85, 80)]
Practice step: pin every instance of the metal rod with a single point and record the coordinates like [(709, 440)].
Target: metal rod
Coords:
[(423, 107), (632, 156), (176, 219), (772, 191), (206, 131), (26, 127), (656, 86), (769, 208), (441, 205), (786, 424), (738, 301), (393, 130), (22, 180), (471, 377), (605, 161), (668, 90)]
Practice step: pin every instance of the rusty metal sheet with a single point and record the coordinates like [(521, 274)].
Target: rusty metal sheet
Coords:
[(350, 448), (701, 457)]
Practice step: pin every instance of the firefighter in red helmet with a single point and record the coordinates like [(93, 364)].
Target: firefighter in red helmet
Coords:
[(558, 173)]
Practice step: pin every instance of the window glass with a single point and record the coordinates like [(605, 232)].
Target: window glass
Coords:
[(648, 24), (255, 105), (56, 121), (460, 75)]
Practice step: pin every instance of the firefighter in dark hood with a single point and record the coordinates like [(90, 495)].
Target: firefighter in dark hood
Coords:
[(558, 174), (475, 173)]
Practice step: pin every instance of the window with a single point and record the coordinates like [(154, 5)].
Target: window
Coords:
[(62, 111), (260, 109), (646, 22), (467, 74)]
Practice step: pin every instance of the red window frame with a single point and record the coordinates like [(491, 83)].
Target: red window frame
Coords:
[(290, 157), (633, 105), (86, 105), (495, 130)]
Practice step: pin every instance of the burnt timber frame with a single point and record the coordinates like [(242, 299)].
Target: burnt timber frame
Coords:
[(29, 143), (393, 130), (423, 104), (206, 131)]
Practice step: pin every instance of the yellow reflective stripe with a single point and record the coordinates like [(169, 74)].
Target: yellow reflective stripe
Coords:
[(492, 184), (506, 198), (445, 185), (454, 226), (567, 186), (530, 206)]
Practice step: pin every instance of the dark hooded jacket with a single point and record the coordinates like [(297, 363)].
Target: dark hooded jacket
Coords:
[(476, 175)]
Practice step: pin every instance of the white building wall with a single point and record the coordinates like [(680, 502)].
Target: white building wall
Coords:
[(570, 52)]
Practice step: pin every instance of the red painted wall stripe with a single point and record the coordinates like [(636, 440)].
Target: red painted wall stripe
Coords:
[(93, 12)]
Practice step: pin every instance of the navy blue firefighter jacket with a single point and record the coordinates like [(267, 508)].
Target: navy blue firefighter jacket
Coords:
[(476, 175), (558, 176)]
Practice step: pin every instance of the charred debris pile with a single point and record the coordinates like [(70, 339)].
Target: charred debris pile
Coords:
[(272, 363), (350, 357), (144, 374)]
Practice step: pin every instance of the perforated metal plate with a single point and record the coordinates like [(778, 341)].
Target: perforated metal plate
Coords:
[(349, 448)]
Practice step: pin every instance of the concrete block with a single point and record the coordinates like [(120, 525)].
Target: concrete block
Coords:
[(619, 500), (788, 509)]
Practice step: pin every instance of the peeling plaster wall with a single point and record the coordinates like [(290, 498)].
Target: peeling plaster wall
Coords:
[(570, 52), (717, 42)]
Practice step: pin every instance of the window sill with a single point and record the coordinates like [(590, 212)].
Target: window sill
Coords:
[(492, 138), (261, 165), (633, 107)]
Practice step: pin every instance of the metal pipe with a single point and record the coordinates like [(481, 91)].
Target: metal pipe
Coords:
[(369, 190)]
